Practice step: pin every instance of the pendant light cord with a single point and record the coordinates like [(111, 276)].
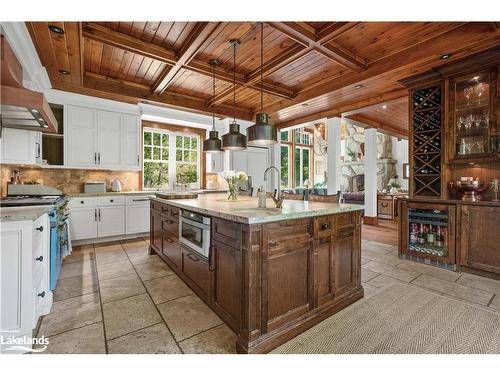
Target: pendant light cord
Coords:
[(234, 82), (213, 95), (262, 66)]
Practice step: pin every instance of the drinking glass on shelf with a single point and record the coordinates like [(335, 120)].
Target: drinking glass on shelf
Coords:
[(485, 118), (479, 90), (461, 124), (467, 93)]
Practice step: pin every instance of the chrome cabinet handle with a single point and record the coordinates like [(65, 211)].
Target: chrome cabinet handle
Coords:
[(40, 258), (99, 158), (95, 157), (95, 214), (40, 228), (99, 214), (41, 294), (140, 200)]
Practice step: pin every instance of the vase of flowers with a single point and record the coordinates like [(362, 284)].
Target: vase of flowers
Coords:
[(232, 178)]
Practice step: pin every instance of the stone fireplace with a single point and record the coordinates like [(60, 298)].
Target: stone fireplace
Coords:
[(353, 174)]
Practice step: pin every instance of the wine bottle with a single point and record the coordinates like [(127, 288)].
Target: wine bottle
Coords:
[(439, 237)]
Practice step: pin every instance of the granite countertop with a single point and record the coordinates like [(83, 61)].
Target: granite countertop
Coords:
[(143, 192), (11, 214), (245, 209)]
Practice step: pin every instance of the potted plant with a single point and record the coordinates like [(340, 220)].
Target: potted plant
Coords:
[(232, 178), (394, 185)]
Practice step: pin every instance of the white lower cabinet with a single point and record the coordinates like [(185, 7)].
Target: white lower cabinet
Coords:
[(111, 215), (111, 221), (25, 287), (83, 223)]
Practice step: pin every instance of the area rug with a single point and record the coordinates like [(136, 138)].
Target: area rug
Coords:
[(402, 319)]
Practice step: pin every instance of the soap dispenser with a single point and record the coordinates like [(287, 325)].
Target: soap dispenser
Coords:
[(261, 196)]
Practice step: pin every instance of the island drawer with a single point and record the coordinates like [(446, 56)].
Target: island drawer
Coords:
[(227, 232), (195, 270), (346, 221)]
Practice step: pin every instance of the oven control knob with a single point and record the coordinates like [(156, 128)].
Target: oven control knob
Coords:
[(40, 228), (41, 294), (40, 258)]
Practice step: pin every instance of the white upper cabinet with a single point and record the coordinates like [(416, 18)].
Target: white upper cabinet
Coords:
[(20, 147), (98, 139), (131, 142), (109, 139), (81, 137)]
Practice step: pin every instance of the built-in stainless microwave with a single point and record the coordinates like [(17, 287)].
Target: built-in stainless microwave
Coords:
[(194, 232)]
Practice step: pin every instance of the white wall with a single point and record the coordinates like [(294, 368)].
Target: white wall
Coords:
[(400, 153)]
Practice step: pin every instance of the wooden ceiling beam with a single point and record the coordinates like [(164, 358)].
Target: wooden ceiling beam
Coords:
[(332, 30), (334, 52), (194, 42), (117, 39), (339, 110), (94, 31), (271, 66), (383, 128), (132, 92), (468, 39)]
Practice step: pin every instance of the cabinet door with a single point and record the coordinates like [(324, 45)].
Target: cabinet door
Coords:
[(195, 271), (131, 142), (288, 285), (16, 300), (137, 219), (171, 248), (109, 139), (83, 223), (216, 163), (226, 282), (81, 137), (479, 247), (156, 230), (325, 261), (111, 221), (346, 260), (19, 146)]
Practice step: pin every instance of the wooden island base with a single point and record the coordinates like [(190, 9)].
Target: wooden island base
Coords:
[(268, 282)]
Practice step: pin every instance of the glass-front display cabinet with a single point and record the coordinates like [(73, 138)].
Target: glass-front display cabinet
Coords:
[(473, 116)]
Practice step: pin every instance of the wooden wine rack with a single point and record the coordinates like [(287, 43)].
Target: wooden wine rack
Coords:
[(427, 117)]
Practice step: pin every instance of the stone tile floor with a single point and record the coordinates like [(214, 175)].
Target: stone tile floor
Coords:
[(116, 298)]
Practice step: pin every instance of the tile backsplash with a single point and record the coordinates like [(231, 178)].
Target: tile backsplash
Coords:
[(69, 180)]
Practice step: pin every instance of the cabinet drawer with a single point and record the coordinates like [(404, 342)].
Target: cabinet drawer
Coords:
[(83, 202), (114, 200), (195, 270), (324, 226), (160, 207), (137, 200), (346, 220), (171, 226), (227, 232), (385, 206)]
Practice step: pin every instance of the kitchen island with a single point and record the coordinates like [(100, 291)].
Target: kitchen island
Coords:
[(269, 273)]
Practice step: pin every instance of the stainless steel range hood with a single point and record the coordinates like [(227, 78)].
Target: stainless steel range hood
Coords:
[(21, 108)]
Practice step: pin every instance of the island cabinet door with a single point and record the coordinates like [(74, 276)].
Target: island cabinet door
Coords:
[(226, 281), (479, 237), (171, 249), (196, 274), (287, 272), (156, 230), (347, 250)]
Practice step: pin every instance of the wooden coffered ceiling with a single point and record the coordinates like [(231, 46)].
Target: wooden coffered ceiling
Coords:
[(311, 69)]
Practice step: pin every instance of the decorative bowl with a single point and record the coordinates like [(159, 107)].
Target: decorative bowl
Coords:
[(470, 190)]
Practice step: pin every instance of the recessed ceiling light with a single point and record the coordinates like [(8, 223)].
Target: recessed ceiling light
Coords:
[(56, 29), (358, 86), (65, 72), (384, 106), (445, 56), (475, 78)]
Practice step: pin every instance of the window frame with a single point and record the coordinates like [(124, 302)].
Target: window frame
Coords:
[(172, 159), (293, 145)]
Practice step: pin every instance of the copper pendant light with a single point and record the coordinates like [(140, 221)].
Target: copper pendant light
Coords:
[(213, 144), (234, 140), (262, 133)]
